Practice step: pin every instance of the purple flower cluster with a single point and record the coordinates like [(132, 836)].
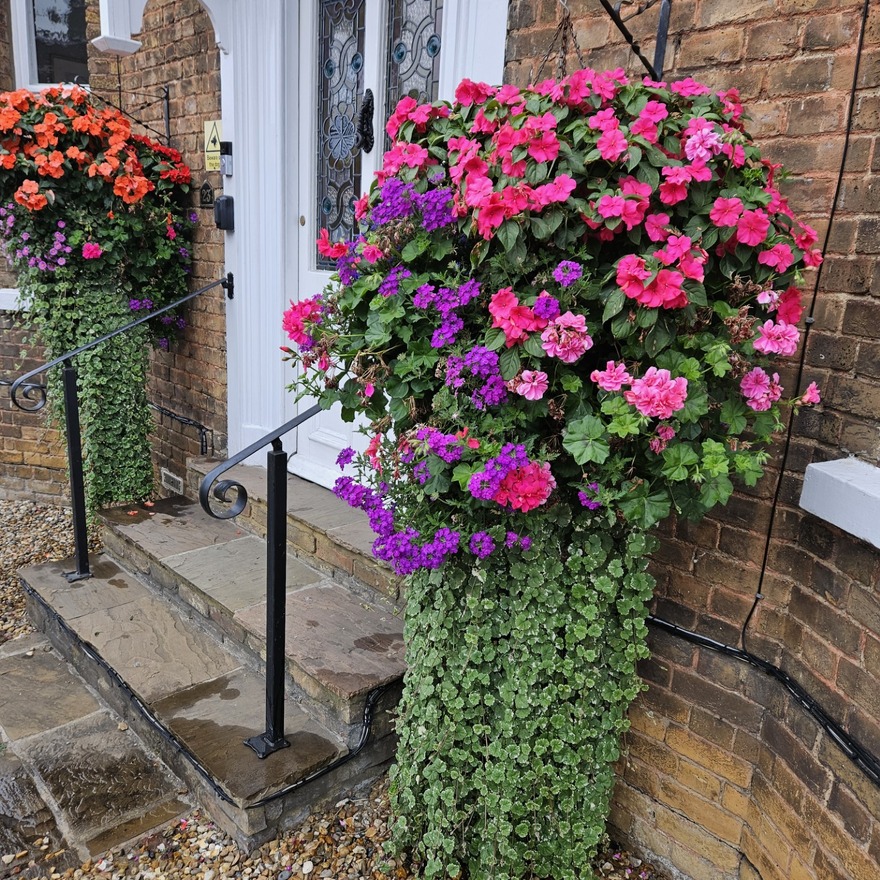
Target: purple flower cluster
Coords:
[(485, 484), (590, 501), (437, 209), (390, 286), (481, 544), (345, 457), (136, 305), (546, 307), (447, 301), (396, 202), (567, 272), (512, 539), (52, 260), (345, 265), (168, 320), (445, 446), (481, 363)]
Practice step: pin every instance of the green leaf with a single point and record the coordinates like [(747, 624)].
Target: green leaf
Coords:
[(658, 338), (533, 346), (677, 460), (634, 158), (582, 439), (509, 363), (571, 383), (716, 491), (643, 509), (495, 339), (733, 414), (613, 304), (507, 234), (415, 248)]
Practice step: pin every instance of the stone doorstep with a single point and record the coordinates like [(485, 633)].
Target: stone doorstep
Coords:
[(339, 644), (321, 527), (70, 771), (206, 713)]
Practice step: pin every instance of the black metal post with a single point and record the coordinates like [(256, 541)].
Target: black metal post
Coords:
[(273, 739), (75, 465)]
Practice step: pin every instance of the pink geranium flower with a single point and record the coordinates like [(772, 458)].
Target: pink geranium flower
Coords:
[(811, 395), (306, 311), (526, 488), (760, 390), (778, 338), (657, 394), (566, 337), (532, 385), (612, 378), (91, 251)]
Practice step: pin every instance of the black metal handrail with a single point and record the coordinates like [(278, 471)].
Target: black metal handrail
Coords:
[(272, 739), (71, 417)]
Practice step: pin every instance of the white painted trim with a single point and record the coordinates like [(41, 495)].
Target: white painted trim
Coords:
[(845, 493), (24, 52), (474, 39), (9, 301)]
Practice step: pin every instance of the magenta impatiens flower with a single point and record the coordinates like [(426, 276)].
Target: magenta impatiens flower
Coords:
[(726, 212), (752, 227), (91, 251)]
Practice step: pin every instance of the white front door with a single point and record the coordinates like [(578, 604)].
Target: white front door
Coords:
[(391, 48)]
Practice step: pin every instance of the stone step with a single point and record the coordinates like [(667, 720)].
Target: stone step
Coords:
[(343, 640), (75, 780), (193, 697), (320, 527)]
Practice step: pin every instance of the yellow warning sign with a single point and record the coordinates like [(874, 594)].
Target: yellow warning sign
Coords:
[(213, 136)]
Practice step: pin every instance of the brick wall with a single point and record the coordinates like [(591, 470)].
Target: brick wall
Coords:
[(726, 776)]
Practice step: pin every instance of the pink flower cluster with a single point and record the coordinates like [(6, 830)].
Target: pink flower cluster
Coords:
[(657, 394), (660, 290), (409, 110), (532, 384), (527, 487), (306, 311), (91, 251), (516, 320), (566, 338), (760, 390), (776, 338)]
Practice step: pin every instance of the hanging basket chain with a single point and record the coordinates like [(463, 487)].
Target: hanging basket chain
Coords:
[(565, 38)]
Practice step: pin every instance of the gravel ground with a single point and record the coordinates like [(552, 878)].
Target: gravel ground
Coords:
[(342, 843)]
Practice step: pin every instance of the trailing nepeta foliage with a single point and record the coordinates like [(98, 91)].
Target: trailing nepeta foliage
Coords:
[(520, 675), (94, 222)]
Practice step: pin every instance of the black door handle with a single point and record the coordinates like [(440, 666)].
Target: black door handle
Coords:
[(365, 137)]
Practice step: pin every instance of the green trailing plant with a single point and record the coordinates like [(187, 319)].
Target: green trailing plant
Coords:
[(93, 219), (561, 321)]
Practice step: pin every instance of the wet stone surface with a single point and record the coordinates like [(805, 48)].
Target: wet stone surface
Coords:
[(99, 775)]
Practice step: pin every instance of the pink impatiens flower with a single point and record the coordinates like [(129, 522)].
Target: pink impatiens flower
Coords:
[(778, 338), (779, 257), (566, 337), (657, 394), (611, 145), (752, 227), (725, 212), (612, 378), (516, 320), (532, 385)]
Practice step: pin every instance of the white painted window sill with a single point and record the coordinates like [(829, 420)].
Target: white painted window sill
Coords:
[(845, 493)]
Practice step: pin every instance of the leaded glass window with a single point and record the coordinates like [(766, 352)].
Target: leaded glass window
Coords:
[(413, 51), (340, 78)]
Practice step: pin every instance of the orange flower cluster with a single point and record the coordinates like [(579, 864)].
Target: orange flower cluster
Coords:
[(48, 136)]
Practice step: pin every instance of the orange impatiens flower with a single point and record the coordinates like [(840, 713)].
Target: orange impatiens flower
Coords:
[(29, 195), (9, 118), (132, 188), (51, 165)]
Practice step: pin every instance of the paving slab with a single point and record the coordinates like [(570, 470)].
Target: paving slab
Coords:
[(234, 574), (101, 779), (214, 718), (346, 643), (27, 825), (171, 526), (38, 692)]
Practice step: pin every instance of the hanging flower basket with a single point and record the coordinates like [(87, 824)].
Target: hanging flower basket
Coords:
[(561, 323), (93, 219)]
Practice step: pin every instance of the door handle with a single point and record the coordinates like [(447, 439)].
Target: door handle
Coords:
[(365, 137)]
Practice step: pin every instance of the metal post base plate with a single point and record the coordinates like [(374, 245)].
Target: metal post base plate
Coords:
[(73, 576), (264, 746)]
